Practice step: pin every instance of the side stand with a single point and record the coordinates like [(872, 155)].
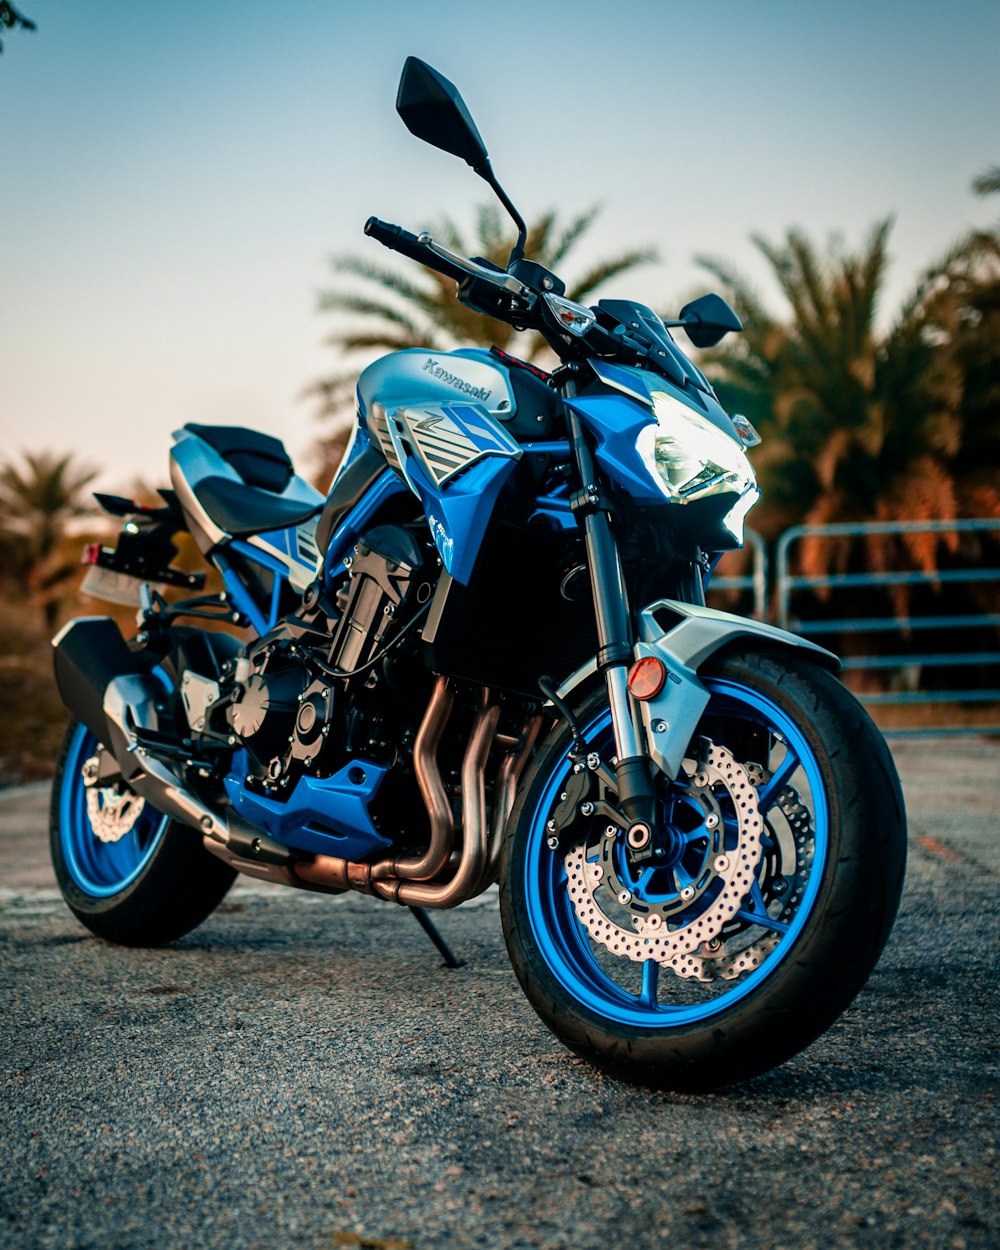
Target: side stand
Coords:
[(431, 929)]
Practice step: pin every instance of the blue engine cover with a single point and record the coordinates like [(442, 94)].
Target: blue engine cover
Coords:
[(322, 815)]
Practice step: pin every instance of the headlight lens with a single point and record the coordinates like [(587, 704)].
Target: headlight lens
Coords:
[(690, 458)]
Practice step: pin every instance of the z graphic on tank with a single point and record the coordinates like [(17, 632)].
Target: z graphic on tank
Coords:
[(439, 409)]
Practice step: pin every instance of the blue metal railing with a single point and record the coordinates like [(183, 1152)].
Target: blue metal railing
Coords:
[(788, 583)]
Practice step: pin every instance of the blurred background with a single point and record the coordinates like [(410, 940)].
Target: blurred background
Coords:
[(182, 193)]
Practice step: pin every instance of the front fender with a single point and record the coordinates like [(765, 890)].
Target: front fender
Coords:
[(685, 636)]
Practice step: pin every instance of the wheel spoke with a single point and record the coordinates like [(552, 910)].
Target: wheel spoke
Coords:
[(120, 855), (757, 912), (768, 793), (682, 876), (650, 981)]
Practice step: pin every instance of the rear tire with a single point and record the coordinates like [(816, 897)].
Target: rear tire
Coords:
[(825, 918), (150, 887)]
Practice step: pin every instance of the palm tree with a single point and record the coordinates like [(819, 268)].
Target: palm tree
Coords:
[(858, 424), (38, 500), (397, 311)]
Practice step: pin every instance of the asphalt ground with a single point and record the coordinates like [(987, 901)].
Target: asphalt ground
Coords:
[(303, 1071)]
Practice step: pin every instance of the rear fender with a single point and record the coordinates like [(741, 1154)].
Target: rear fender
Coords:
[(685, 637)]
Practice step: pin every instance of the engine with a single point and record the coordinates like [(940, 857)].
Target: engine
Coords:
[(308, 694)]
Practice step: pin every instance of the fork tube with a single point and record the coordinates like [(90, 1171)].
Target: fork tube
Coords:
[(614, 632)]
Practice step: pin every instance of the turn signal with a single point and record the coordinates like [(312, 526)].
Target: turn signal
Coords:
[(646, 677)]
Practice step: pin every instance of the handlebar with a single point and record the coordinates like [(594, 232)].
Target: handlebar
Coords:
[(400, 240), (434, 255)]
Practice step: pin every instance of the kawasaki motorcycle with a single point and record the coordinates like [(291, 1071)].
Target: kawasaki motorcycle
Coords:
[(486, 656)]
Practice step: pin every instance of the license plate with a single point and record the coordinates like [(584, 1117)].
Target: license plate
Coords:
[(115, 587)]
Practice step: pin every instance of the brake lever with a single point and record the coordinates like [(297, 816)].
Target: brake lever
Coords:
[(496, 278)]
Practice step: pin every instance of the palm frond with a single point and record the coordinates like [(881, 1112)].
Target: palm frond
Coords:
[(383, 341), (390, 279), (347, 301), (567, 239), (988, 182)]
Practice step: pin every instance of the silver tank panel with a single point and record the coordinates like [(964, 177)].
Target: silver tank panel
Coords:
[(444, 404)]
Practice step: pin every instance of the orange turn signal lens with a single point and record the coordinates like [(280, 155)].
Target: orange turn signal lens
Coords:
[(646, 677)]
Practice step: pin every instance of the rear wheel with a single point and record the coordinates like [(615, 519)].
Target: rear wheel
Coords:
[(762, 915), (128, 872)]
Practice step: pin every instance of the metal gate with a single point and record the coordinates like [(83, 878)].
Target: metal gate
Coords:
[(755, 581), (954, 627)]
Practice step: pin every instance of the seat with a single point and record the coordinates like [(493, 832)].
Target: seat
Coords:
[(259, 459), (242, 510)]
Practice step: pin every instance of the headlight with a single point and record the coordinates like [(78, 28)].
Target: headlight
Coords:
[(690, 458)]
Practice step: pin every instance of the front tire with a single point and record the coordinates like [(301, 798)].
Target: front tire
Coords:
[(148, 887), (754, 968)]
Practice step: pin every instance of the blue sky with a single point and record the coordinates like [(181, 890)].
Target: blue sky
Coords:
[(173, 176)]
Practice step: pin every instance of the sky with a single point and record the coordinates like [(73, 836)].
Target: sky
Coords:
[(174, 177)]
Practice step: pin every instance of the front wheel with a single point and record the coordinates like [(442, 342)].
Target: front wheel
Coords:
[(778, 872)]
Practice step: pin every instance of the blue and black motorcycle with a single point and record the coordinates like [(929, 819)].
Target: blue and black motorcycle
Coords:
[(486, 656)]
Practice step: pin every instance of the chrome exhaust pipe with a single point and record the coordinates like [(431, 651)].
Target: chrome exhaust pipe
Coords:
[(442, 840), (475, 831), (325, 871), (504, 793)]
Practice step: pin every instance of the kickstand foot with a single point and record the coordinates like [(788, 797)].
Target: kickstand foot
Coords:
[(431, 929)]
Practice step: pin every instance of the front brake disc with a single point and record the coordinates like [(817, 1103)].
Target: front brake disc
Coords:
[(675, 922), (723, 959)]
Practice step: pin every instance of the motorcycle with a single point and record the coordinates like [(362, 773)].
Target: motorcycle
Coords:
[(485, 656)]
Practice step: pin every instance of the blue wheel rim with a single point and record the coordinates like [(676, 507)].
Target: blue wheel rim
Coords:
[(563, 942), (100, 869)]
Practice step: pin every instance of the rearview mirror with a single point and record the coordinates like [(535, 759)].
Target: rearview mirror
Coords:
[(433, 110), (707, 320)]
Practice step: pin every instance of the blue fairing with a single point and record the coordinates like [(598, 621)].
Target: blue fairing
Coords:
[(459, 512), (615, 420), (322, 815), (435, 418), (350, 529)]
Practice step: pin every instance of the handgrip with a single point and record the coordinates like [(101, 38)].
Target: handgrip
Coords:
[(408, 244)]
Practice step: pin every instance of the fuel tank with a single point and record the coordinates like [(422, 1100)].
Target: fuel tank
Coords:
[(437, 417), (440, 407)]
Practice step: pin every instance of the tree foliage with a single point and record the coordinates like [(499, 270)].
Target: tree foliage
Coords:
[(39, 498), (861, 423)]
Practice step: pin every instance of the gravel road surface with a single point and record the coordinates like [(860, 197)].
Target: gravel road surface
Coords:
[(302, 1071)]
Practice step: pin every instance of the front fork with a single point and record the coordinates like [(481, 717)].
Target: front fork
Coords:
[(633, 770)]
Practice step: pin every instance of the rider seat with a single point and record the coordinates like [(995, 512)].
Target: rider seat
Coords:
[(254, 504)]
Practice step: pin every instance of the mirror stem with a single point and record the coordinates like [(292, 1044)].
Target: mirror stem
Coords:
[(485, 171)]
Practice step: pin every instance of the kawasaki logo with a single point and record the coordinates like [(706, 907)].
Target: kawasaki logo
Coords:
[(432, 367)]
